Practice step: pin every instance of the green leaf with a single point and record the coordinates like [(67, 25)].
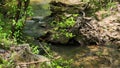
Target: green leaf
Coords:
[(59, 67)]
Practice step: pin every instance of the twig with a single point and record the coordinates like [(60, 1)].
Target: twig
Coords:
[(32, 62)]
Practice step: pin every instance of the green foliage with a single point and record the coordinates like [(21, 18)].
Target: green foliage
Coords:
[(6, 43), (18, 28), (61, 63), (99, 53), (29, 11), (97, 5), (12, 17), (63, 26), (101, 4), (58, 63), (67, 23), (35, 49), (6, 64), (4, 32)]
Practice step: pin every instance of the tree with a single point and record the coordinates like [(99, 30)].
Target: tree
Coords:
[(13, 13)]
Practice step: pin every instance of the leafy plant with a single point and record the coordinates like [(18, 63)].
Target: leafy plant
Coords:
[(35, 49), (97, 5), (6, 64), (58, 63), (12, 17), (61, 63), (63, 26)]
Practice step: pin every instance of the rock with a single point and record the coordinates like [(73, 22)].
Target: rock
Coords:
[(70, 7), (104, 32), (60, 40), (30, 22), (69, 2), (28, 32), (22, 55), (50, 38), (37, 18), (2, 51)]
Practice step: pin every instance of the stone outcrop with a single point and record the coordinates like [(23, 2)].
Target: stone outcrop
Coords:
[(104, 32), (69, 7), (20, 56), (88, 30), (23, 57)]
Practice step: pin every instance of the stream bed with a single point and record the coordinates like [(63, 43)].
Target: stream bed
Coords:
[(92, 56)]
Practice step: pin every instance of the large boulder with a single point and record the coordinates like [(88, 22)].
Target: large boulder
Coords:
[(88, 30), (103, 32), (23, 57), (69, 6), (70, 2)]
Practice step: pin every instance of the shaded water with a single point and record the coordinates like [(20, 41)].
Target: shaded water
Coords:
[(40, 9)]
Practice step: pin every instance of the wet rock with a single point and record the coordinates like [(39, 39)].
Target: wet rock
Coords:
[(30, 22), (28, 32), (37, 18), (2, 51), (62, 40), (50, 38)]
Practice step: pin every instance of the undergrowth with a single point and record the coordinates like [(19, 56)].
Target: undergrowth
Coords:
[(12, 18)]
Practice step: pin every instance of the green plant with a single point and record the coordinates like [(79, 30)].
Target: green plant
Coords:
[(12, 17), (99, 53), (62, 27), (6, 64), (13, 14), (61, 63), (35, 49), (97, 5), (101, 3), (4, 32), (58, 63)]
